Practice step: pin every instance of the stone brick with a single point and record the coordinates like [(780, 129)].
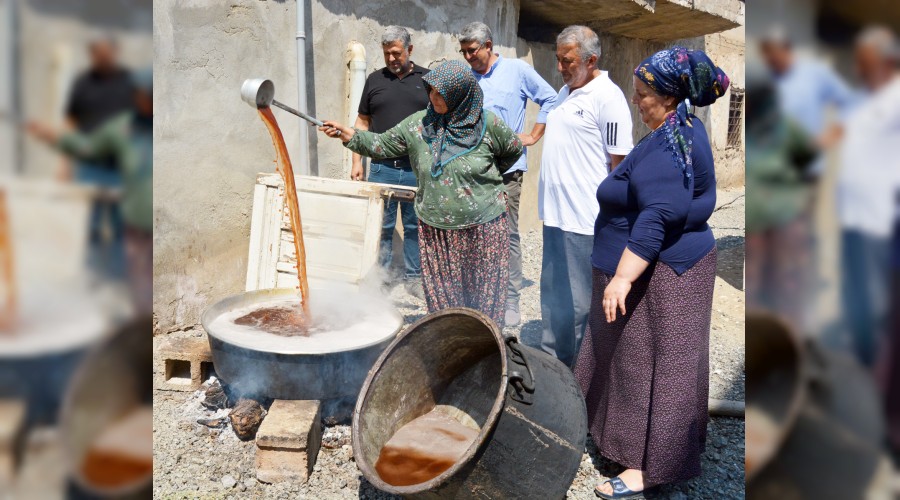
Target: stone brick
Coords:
[(186, 363), (288, 441), (12, 432)]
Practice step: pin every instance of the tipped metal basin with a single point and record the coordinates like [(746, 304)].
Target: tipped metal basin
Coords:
[(330, 366), (525, 404)]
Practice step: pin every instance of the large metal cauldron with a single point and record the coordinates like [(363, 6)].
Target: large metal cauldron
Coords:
[(527, 404), (825, 433), (292, 369)]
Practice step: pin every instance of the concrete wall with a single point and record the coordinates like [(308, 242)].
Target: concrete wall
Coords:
[(8, 131), (209, 145), (798, 16), (726, 49), (52, 51)]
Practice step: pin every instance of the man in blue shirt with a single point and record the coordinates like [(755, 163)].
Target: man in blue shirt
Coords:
[(508, 84), (807, 89), (813, 96)]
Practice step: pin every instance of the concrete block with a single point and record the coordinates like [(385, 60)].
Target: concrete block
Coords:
[(186, 363), (12, 432), (288, 441)]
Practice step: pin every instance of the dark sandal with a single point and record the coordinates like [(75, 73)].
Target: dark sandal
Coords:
[(620, 491)]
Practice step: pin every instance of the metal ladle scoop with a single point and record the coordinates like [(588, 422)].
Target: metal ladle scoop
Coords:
[(260, 93)]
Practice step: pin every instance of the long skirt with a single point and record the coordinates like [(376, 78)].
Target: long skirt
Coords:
[(645, 376), (466, 267), (779, 271)]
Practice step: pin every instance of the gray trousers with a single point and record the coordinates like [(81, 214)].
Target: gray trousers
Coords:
[(513, 183), (565, 292)]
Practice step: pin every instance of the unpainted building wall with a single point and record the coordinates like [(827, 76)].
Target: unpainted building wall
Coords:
[(726, 49), (52, 51), (209, 145)]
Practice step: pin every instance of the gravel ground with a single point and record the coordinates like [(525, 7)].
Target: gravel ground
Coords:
[(193, 461)]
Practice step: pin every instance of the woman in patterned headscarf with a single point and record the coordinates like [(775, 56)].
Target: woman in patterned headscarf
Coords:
[(458, 152), (643, 366)]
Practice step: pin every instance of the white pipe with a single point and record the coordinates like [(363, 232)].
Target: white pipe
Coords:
[(305, 156), (357, 80), (64, 73), (8, 132)]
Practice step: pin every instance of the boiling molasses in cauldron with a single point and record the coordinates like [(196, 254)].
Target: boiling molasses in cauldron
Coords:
[(284, 321)]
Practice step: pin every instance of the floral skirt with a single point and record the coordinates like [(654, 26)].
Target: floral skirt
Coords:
[(645, 376), (466, 267)]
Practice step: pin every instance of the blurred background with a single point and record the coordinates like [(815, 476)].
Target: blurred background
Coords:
[(822, 253), (75, 248)]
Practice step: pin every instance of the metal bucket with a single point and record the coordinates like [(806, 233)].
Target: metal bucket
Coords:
[(333, 377), (527, 404), (113, 379), (776, 386)]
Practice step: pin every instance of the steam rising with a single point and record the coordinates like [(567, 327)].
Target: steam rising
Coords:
[(344, 319)]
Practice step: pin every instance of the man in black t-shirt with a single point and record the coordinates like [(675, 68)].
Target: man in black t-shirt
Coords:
[(390, 95), (103, 91)]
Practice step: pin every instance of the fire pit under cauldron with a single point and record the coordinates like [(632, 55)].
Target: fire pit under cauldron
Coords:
[(330, 364)]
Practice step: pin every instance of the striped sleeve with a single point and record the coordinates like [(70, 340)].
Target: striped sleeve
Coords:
[(614, 122)]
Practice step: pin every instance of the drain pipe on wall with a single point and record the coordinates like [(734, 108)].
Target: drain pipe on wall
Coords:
[(63, 70), (11, 140), (356, 73), (301, 87)]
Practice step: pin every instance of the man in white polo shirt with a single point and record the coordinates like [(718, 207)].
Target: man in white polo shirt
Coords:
[(867, 186), (587, 135)]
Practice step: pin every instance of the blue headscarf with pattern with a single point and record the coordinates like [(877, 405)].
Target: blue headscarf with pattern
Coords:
[(461, 129), (685, 75)]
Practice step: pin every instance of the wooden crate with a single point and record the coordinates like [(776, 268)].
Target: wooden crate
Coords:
[(47, 226), (341, 231), (7, 278)]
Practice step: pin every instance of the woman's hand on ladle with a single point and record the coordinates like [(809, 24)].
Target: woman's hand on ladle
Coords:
[(337, 131)]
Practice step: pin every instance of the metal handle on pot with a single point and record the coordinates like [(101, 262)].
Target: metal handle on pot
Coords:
[(310, 119), (519, 389)]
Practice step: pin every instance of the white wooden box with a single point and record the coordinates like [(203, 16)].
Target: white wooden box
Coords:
[(341, 230), (49, 230)]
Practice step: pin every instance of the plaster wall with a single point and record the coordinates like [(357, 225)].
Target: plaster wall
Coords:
[(52, 51)]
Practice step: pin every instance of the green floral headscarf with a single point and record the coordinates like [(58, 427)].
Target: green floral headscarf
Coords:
[(460, 130)]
